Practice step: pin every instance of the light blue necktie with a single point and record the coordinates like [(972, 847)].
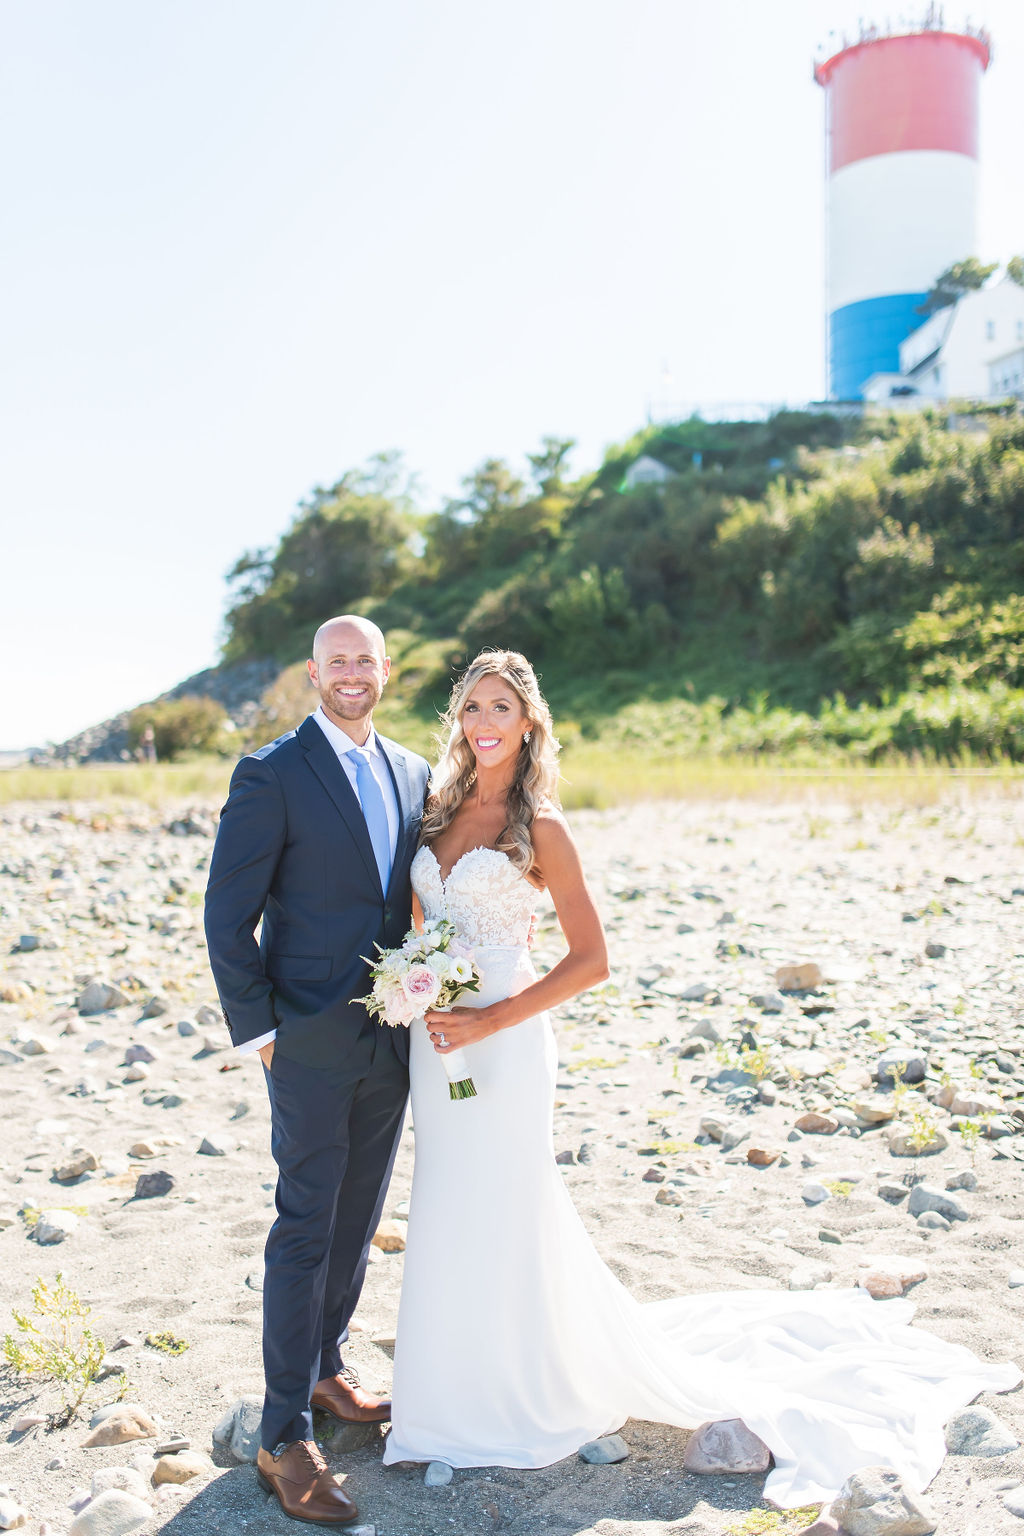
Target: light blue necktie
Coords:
[(371, 799)]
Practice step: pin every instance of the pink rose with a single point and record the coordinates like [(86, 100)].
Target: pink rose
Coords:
[(422, 986), (401, 1011)]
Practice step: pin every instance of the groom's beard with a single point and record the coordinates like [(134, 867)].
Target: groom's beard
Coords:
[(351, 709)]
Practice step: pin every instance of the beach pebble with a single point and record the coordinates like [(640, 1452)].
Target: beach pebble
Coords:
[(903, 1140), (210, 1147), (769, 1002), (81, 1161), (138, 1052), (978, 1432), (725, 1445), (27, 1421), (972, 1103), (113, 1513), (965, 1180), (763, 1157), (566, 1158), (931, 1221), (12, 1515), (798, 978), (888, 1275), (120, 1423), (186, 1028), (438, 1475), (667, 1196), (54, 1226), (239, 1430), (605, 1451), (1015, 1278), (913, 1063), (814, 1193), (390, 1236), (807, 1277), (873, 1108), (815, 1124), (34, 1045), (875, 1501), (1013, 1500), (99, 996), (149, 1186), (925, 1197), (181, 1467), (126, 1478), (891, 1192)]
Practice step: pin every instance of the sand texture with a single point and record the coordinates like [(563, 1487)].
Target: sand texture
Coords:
[(726, 1120)]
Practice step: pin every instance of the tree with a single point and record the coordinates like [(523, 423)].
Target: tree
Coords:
[(547, 465), (350, 541), (962, 277), (1015, 270)]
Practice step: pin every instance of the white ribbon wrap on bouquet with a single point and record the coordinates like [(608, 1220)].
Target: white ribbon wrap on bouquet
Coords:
[(456, 1066)]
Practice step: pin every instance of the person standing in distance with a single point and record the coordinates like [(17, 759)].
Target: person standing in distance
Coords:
[(316, 838)]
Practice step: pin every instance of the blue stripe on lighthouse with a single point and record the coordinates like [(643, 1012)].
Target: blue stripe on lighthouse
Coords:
[(864, 338)]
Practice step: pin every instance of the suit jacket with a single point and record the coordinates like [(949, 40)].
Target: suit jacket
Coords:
[(293, 849)]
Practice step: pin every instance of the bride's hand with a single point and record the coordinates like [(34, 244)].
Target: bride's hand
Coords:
[(459, 1027)]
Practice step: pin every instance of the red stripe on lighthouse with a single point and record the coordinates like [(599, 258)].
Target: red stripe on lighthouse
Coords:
[(900, 93)]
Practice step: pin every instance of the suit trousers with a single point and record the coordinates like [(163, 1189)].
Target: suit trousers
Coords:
[(334, 1137)]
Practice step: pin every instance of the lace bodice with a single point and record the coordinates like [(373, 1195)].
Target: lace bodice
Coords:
[(485, 896)]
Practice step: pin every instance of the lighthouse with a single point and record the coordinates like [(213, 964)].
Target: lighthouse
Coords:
[(902, 173)]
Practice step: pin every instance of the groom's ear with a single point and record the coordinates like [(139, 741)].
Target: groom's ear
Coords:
[(311, 669), (386, 669)]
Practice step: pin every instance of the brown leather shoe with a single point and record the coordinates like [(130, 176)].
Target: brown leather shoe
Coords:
[(343, 1398), (297, 1474)]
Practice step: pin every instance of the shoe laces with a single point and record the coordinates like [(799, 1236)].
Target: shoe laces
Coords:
[(348, 1374), (314, 1455)]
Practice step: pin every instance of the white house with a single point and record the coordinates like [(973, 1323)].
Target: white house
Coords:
[(646, 471), (949, 356), (1006, 375)]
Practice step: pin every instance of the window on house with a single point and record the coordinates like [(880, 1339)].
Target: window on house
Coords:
[(1020, 330)]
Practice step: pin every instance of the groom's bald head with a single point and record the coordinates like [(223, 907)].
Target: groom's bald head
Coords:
[(347, 632)]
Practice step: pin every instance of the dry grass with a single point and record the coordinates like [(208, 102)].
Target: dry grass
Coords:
[(594, 776)]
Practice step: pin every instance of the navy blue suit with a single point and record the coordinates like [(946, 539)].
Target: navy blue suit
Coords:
[(293, 849)]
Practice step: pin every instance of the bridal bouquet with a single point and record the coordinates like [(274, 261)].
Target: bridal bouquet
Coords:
[(430, 970)]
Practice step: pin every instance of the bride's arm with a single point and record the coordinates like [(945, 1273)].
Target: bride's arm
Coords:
[(584, 966)]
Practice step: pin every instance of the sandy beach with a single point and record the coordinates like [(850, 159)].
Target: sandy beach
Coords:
[(723, 1123)]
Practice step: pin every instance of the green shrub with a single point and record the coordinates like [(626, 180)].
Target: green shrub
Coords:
[(190, 724)]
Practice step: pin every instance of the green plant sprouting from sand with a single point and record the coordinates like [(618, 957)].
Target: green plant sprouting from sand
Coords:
[(54, 1342)]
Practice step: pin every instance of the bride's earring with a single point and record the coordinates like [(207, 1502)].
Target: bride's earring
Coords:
[(526, 738)]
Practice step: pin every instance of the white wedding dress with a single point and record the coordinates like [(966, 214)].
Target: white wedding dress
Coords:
[(516, 1344)]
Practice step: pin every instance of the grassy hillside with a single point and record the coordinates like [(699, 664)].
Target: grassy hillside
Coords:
[(802, 586)]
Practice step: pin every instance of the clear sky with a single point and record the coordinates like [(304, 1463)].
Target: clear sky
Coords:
[(247, 243)]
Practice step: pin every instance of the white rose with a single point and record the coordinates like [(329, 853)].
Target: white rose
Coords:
[(440, 964)]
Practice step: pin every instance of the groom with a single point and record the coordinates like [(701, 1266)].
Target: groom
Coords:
[(316, 838)]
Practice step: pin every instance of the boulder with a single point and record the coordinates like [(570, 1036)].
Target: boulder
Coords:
[(725, 1445), (605, 1451), (239, 1430), (925, 1197), (875, 1501), (978, 1432), (113, 1513)]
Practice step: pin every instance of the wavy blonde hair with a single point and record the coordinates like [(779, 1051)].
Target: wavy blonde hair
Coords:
[(535, 779)]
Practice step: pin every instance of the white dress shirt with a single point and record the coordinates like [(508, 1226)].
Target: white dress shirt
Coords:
[(344, 747)]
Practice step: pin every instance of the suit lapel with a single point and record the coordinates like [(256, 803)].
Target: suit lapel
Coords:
[(320, 756), (396, 761)]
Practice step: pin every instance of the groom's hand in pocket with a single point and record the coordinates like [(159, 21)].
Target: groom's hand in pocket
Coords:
[(267, 1054)]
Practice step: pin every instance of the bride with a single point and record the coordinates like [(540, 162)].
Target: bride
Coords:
[(515, 1343)]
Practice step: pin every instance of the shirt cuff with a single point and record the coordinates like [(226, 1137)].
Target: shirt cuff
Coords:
[(248, 1046)]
